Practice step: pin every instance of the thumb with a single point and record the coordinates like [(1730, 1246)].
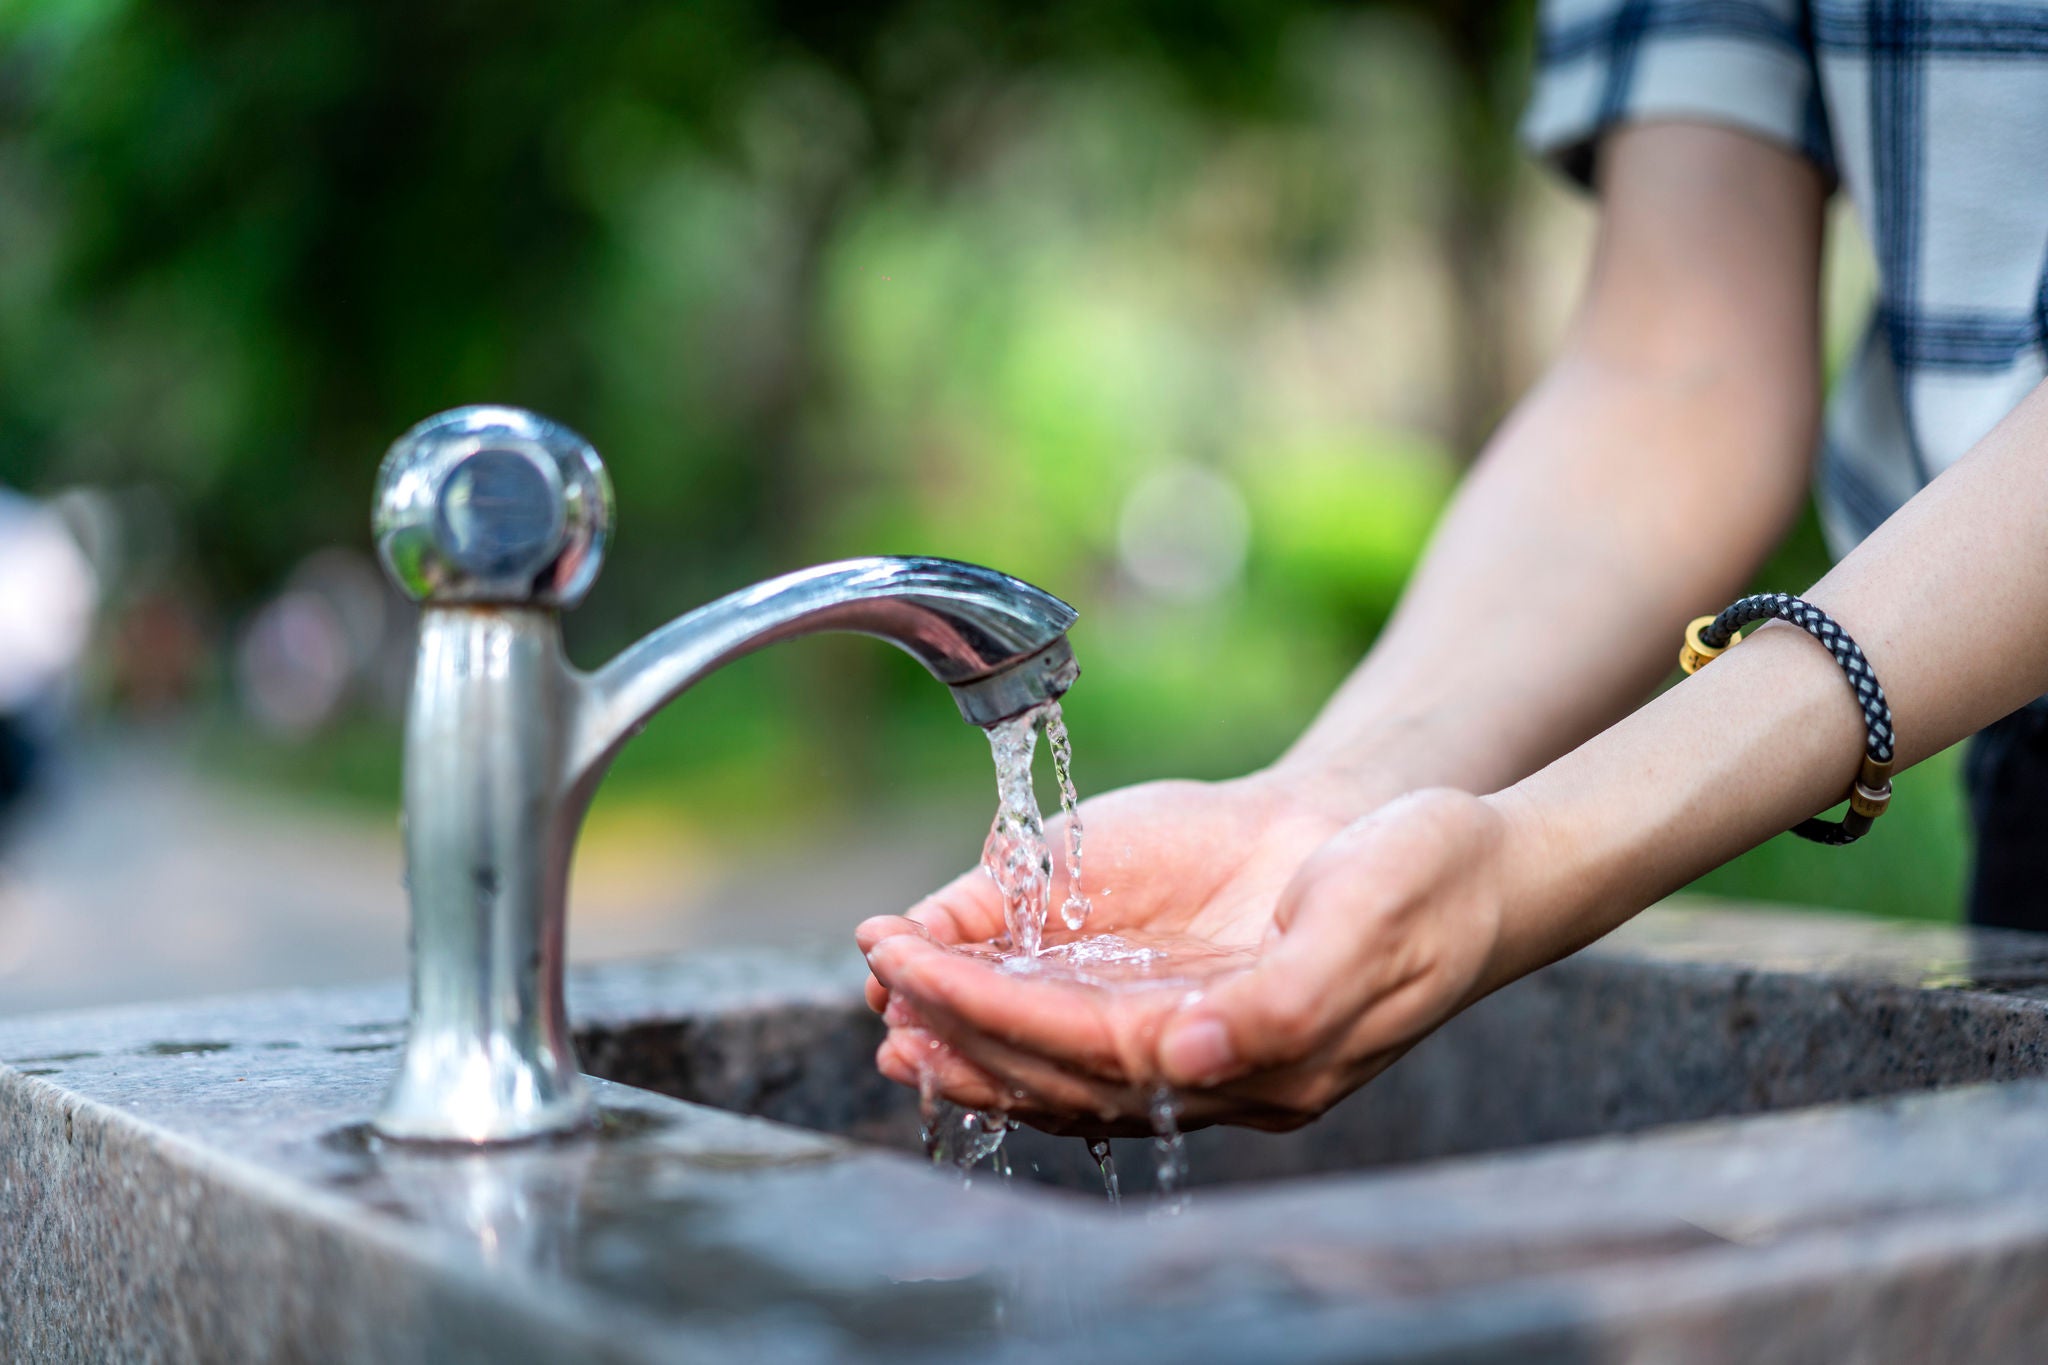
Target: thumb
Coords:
[(1325, 960), (968, 909)]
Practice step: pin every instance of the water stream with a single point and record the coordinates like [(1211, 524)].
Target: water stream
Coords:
[(1074, 910), (1015, 856), (1019, 859), (1106, 1163)]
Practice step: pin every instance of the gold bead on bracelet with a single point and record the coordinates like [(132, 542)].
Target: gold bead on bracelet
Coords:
[(1694, 655)]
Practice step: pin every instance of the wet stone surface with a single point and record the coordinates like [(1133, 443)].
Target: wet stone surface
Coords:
[(1718, 1136)]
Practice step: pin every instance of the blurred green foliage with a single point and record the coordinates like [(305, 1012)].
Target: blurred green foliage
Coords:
[(935, 276), (247, 245)]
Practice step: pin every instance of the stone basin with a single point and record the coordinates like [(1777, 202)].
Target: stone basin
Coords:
[(1716, 1136), (1681, 1018)]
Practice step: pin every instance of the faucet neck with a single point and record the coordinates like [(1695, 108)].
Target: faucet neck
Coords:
[(964, 623), (487, 844)]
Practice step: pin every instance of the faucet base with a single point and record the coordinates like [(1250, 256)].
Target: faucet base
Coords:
[(442, 1098)]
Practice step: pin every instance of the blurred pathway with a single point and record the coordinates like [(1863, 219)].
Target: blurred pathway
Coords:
[(137, 878)]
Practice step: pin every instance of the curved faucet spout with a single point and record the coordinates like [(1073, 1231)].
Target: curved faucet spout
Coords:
[(998, 642)]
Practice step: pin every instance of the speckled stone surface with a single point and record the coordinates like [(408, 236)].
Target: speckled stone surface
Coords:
[(1711, 1138)]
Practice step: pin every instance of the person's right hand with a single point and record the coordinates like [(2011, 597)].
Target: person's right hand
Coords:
[(1179, 861)]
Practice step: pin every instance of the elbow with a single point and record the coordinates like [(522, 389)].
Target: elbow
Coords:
[(1739, 425)]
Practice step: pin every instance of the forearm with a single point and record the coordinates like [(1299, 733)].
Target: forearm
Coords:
[(1949, 600), (1650, 471), (1573, 514)]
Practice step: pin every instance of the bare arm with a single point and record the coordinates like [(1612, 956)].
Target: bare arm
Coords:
[(1949, 599), (1658, 462)]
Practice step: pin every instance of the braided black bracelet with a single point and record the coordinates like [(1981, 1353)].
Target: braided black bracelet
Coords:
[(1710, 636)]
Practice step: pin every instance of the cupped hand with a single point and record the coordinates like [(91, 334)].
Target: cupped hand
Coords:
[(1185, 861), (1361, 938)]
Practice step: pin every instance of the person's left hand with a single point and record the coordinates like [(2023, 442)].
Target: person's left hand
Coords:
[(1385, 931)]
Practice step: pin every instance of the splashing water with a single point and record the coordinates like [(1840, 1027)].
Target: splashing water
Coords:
[(1016, 855), (959, 1137), (964, 1138), (1018, 859)]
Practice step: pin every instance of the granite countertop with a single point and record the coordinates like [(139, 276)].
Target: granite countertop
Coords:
[(196, 1182)]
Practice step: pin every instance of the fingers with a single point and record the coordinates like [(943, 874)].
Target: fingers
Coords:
[(867, 934), (1031, 1080), (970, 1066), (1374, 939), (1348, 940), (919, 1059), (968, 909), (946, 997), (1285, 1099), (1089, 1030), (871, 931), (908, 1055), (1048, 1047), (1282, 1011)]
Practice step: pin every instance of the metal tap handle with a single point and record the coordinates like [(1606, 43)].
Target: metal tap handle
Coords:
[(492, 504)]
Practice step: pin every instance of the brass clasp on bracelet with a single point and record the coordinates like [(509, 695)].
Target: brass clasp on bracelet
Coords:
[(1695, 653), (1873, 789), (1868, 797)]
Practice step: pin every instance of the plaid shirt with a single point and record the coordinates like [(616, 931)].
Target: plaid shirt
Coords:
[(1932, 115)]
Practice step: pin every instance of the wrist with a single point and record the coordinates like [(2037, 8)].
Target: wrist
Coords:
[(1344, 786), (1536, 870), (1355, 770)]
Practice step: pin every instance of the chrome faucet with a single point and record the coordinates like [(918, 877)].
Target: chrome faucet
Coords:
[(495, 520)]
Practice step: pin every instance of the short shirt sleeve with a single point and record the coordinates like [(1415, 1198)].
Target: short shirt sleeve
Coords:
[(1744, 64)]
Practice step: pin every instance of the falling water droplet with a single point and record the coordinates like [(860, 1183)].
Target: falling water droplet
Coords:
[(1169, 1152), (1105, 1161)]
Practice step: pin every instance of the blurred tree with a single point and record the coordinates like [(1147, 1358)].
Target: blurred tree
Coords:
[(1487, 44), (248, 244)]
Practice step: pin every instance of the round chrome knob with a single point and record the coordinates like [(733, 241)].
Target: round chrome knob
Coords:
[(490, 504)]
